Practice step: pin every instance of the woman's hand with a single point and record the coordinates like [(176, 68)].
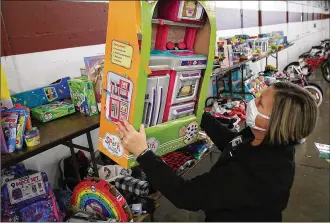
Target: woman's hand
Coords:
[(133, 141)]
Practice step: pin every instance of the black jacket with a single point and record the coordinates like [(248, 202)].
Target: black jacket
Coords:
[(248, 183)]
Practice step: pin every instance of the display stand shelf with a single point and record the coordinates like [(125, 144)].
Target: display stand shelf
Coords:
[(168, 22), (253, 59)]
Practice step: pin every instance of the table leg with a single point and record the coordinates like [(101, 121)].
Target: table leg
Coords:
[(74, 158), (91, 150), (152, 219)]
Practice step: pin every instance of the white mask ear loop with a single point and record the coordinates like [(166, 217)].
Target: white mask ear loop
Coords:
[(261, 129), (264, 116)]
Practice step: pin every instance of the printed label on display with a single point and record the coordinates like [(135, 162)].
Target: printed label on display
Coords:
[(113, 145), (122, 54), (153, 144)]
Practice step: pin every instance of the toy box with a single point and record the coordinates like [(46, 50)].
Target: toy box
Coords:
[(94, 71), (52, 111), (242, 50), (57, 90), (224, 53), (83, 96), (130, 93)]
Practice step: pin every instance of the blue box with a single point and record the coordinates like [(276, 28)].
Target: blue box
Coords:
[(57, 90)]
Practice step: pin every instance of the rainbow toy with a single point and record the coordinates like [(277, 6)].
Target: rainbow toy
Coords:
[(98, 196)]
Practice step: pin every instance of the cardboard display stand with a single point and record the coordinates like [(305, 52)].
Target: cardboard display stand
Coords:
[(165, 89)]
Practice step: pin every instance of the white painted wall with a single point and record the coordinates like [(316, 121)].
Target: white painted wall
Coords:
[(28, 71)]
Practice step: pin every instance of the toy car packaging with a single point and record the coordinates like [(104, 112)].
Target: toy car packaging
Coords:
[(28, 197)]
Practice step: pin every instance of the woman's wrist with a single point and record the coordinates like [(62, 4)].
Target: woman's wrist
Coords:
[(142, 152)]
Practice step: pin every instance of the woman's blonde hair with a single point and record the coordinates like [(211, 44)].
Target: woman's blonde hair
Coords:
[(294, 114)]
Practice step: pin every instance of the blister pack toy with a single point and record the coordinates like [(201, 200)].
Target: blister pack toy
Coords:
[(28, 197), (23, 116), (9, 126)]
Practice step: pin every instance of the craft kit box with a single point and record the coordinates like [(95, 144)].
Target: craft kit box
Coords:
[(57, 90), (54, 110), (83, 96)]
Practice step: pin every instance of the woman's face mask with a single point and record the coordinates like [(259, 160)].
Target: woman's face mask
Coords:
[(251, 115)]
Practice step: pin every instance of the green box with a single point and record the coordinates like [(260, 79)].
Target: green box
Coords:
[(54, 110), (83, 96)]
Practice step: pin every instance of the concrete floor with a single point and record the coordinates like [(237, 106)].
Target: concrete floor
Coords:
[(309, 200)]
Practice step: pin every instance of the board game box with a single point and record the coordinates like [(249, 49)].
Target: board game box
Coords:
[(83, 95), (54, 110)]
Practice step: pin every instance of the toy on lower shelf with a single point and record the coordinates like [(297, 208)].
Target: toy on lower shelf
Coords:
[(57, 90), (30, 200), (52, 111), (83, 96)]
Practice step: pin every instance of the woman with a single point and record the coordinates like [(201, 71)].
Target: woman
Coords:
[(252, 179)]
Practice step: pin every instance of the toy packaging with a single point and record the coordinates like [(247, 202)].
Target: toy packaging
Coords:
[(28, 197), (5, 98), (255, 85), (28, 121), (83, 96), (21, 124), (32, 137), (9, 126), (58, 90), (163, 87), (52, 111), (94, 71), (242, 50), (4, 148)]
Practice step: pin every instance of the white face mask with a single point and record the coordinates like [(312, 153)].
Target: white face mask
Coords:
[(251, 115)]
